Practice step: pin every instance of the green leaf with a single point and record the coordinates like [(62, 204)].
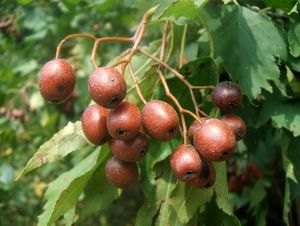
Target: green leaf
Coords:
[(285, 5), (294, 38), (146, 214), (67, 140), (286, 202), (99, 193), (70, 217), (212, 215), (283, 113), (165, 185), (237, 31), (257, 194), (180, 12), (62, 194), (185, 200), (157, 152), (221, 188)]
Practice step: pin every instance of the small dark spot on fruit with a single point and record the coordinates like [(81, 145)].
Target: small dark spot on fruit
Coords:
[(207, 185), (188, 174), (60, 88), (114, 99), (121, 132), (112, 79), (172, 130), (205, 171), (142, 151), (225, 153), (231, 105), (239, 133), (55, 100)]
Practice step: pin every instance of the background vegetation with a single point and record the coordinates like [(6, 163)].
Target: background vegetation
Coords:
[(255, 43)]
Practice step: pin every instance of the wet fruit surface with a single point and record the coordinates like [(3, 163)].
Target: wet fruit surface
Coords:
[(131, 150), (121, 174), (214, 140), (124, 121), (94, 124), (237, 125), (107, 87), (186, 162), (160, 120), (57, 80), (227, 96)]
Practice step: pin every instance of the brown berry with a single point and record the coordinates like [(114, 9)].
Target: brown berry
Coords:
[(192, 129), (124, 121), (215, 140), (57, 80), (160, 120), (107, 87), (129, 150), (227, 96), (237, 125), (121, 174), (207, 177), (93, 122), (186, 162)]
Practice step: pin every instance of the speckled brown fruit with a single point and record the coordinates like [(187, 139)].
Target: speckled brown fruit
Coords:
[(207, 176), (57, 80), (227, 96), (160, 120), (124, 121), (107, 87), (121, 174), (131, 150), (192, 129), (237, 125), (186, 162), (214, 140), (93, 122)]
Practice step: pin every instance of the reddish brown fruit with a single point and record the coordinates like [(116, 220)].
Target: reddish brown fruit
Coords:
[(93, 122), (193, 128), (124, 121), (215, 140), (207, 177), (160, 120), (227, 96), (186, 163), (237, 125), (121, 174), (131, 150), (107, 87), (57, 80)]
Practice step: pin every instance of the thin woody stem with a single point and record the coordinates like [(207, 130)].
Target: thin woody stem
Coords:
[(167, 90), (139, 34), (98, 41), (181, 78), (60, 45), (136, 83)]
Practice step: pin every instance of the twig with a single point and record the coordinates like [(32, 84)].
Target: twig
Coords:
[(182, 111), (181, 78), (136, 83)]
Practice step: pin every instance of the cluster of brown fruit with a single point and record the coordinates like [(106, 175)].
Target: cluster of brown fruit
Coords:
[(211, 140), (120, 123), (111, 119)]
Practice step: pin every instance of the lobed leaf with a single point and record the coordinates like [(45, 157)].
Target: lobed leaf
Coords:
[(294, 39), (236, 31)]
